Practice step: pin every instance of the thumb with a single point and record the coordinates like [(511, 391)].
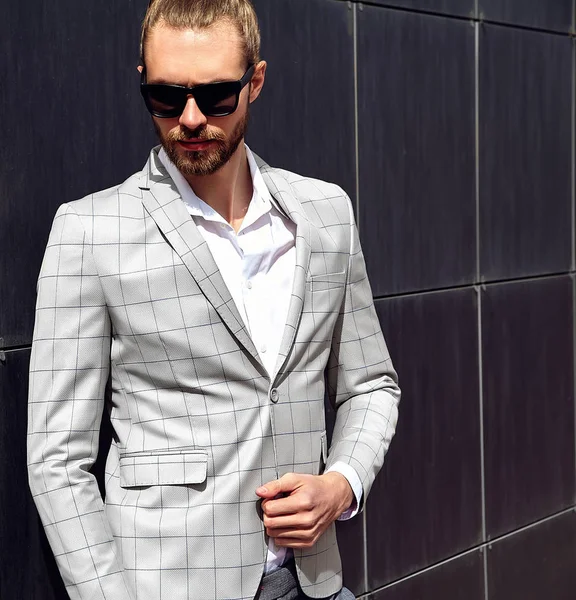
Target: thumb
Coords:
[(286, 484)]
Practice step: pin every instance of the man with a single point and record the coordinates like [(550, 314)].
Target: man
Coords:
[(222, 297)]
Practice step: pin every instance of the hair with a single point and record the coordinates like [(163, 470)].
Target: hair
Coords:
[(201, 14)]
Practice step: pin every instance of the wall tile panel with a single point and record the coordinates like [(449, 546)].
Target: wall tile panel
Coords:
[(426, 504), (528, 401), (544, 14), (459, 579), (351, 543), (304, 119), (73, 114), (416, 141), (525, 152), (27, 568), (535, 563)]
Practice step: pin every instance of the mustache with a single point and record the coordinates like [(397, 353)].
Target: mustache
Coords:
[(201, 133)]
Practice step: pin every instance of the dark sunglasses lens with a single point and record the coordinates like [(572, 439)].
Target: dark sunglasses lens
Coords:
[(165, 100), (217, 99)]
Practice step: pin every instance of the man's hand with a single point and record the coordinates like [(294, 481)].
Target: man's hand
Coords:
[(307, 506)]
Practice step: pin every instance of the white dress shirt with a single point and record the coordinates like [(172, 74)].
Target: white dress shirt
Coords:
[(257, 265)]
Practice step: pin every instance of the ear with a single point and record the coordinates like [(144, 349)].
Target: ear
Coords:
[(257, 80)]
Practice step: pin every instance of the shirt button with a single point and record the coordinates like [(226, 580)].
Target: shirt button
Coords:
[(274, 395), (263, 349), (249, 285)]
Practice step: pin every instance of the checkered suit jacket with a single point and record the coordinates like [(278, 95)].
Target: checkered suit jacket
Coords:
[(128, 289)]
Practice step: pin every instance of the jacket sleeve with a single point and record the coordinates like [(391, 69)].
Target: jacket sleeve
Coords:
[(68, 373), (361, 382)]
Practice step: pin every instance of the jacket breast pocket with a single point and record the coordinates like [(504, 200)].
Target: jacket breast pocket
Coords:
[(326, 281), (163, 467)]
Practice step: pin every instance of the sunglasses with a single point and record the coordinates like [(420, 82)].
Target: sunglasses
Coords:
[(213, 99)]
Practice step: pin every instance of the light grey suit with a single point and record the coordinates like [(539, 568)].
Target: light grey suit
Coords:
[(129, 288)]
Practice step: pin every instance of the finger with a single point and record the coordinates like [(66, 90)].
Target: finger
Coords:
[(297, 534), (297, 503), (294, 543), (299, 521), (286, 484)]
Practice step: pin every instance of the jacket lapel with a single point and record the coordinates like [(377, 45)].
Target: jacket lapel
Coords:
[(284, 196), (164, 204)]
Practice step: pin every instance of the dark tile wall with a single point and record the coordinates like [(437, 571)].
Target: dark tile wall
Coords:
[(416, 150), (27, 568), (72, 124), (553, 14), (527, 358), (536, 563), (525, 152), (406, 101), (458, 579), (307, 100), (351, 543), (427, 504)]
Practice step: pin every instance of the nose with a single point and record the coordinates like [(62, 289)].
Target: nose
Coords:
[(192, 117)]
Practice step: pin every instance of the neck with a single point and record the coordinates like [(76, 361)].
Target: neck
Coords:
[(229, 190)]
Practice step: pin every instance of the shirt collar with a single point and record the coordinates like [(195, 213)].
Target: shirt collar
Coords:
[(260, 204)]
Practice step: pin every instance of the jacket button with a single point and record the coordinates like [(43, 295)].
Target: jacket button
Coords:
[(274, 395)]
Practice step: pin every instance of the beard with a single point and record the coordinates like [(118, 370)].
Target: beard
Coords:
[(205, 162)]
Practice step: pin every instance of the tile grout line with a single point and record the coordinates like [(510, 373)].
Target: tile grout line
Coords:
[(479, 297), (477, 140), (365, 545), (485, 569), (382, 4), (573, 157), (574, 362), (356, 109), (354, 8), (573, 216), (453, 288), (482, 447), (5, 352), (14, 349)]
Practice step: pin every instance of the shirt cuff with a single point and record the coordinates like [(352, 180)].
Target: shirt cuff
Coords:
[(352, 477)]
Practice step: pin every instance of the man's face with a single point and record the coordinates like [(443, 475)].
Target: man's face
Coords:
[(196, 144)]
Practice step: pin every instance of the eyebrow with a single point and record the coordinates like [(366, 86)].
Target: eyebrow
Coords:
[(164, 81)]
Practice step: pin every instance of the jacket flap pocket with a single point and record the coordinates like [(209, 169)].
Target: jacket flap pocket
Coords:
[(139, 469)]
